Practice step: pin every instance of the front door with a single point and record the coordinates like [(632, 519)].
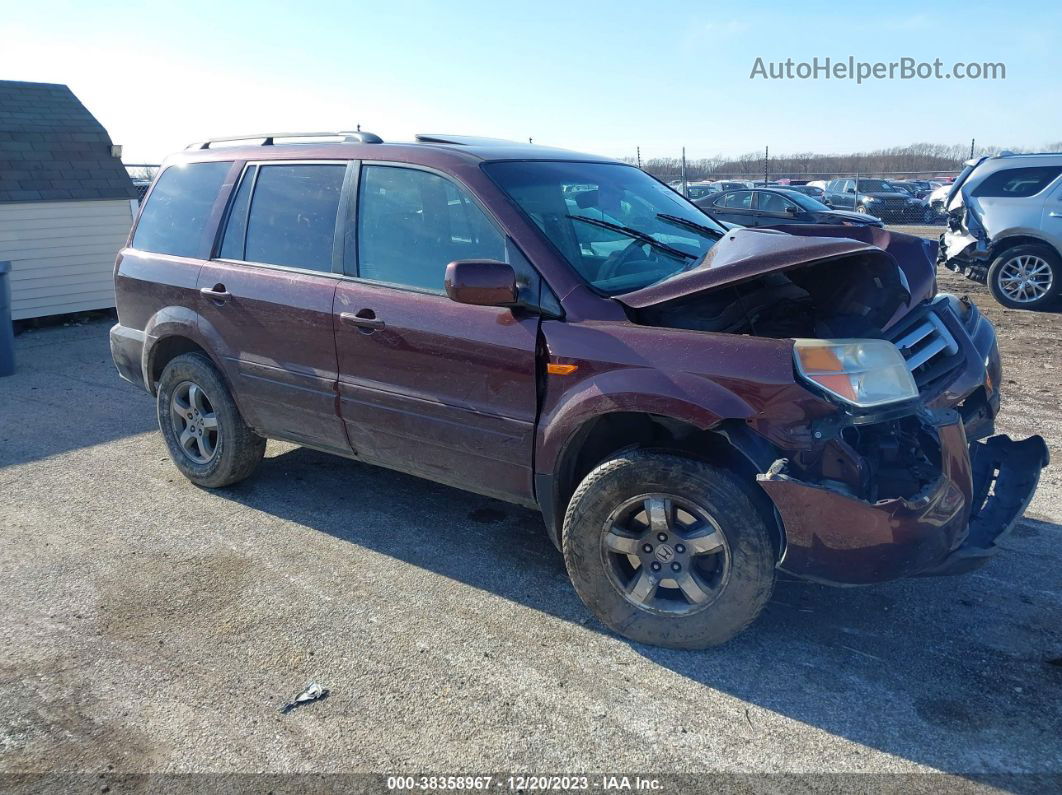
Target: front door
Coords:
[(266, 301), (443, 390), (773, 209)]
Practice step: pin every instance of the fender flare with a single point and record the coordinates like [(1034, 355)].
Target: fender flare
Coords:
[(1013, 238), (180, 321), (683, 397)]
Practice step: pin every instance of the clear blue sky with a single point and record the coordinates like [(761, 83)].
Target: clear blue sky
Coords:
[(597, 76)]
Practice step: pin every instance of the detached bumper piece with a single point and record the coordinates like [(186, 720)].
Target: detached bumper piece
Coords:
[(1005, 476), (950, 527)]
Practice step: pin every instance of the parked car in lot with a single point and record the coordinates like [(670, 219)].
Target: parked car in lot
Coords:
[(876, 197), (1004, 227), (938, 198), (690, 408), (908, 188), (696, 190), (730, 184), (774, 206), (808, 190)]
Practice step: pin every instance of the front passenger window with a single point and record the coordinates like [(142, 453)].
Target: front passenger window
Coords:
[(412, 223), (772, 203)]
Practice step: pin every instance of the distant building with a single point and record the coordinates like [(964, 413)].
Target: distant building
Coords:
[(66, 201)]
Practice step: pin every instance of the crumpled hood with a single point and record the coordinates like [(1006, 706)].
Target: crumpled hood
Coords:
[(747, 253)]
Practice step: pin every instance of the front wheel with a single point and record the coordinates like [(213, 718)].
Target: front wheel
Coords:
[(1026, 277), (668, 550), (207, 438)]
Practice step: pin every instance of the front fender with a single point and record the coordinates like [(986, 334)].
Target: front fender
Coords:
[(687, 398)]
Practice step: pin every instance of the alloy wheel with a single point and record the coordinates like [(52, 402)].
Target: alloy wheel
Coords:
[(665, 554), (194, 421), (1025, 278)]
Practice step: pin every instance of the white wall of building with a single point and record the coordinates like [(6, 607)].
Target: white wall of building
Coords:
[(62, 253)]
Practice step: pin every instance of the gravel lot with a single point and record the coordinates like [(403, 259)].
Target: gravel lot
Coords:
[(146, 625)]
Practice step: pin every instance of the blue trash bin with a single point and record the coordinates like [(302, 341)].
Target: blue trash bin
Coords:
[(7, 331)]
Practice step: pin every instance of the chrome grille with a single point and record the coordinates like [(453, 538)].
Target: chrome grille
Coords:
[(927, 345)]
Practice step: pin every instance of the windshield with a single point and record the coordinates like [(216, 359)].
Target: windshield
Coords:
[(619, 228), (805, 201), (875, 186)]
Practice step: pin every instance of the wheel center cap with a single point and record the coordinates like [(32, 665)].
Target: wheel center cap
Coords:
[(664, 553)]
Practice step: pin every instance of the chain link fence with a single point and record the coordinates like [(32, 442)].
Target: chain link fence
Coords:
[(895, 197), (141, 174)]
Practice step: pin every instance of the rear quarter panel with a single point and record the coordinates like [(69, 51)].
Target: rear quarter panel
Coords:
[(145, 284)]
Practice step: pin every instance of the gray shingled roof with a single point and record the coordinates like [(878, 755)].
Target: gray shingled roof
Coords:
[(51, 148)]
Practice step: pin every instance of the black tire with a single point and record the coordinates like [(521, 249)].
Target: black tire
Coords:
[(237, 449), (722, 496), (999, 268)]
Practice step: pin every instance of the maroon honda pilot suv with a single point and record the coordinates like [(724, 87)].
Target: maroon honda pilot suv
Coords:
[(690, 408)]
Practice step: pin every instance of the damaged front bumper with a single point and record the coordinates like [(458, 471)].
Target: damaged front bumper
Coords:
[(965, 246), (951, 526)]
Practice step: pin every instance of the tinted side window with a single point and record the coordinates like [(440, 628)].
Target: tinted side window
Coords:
[(741, 200), (772, 202), (292, 218), (178, 209), (412, 223), (1017, 183)]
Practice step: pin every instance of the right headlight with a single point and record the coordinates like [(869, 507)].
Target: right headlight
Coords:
[(863, 373)]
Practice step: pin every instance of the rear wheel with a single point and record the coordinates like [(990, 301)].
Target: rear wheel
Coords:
[(207, 438), (667, 550), (1026, 277)]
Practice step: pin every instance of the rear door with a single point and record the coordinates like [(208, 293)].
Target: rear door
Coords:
[(735, 207), (266, 300), (426, 385)]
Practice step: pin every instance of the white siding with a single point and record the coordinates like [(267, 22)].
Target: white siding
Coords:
[(62, 254)]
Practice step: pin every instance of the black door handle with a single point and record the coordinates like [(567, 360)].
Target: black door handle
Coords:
[(364, 319)]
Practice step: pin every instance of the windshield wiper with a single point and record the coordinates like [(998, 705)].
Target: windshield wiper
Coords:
[(693, 225), (630, 232)]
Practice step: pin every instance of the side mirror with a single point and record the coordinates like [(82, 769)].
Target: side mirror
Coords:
[(849, 190), (481, 282)]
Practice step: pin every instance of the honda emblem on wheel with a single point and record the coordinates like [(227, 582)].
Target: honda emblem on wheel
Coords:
[(665, 553)]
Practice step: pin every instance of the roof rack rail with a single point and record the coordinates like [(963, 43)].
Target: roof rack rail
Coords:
[(461, 140), (269, 139)]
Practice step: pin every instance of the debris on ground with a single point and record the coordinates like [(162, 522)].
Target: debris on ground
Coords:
[(313, 692)]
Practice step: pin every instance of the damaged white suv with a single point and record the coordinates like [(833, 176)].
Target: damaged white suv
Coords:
[(1005, 227)]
